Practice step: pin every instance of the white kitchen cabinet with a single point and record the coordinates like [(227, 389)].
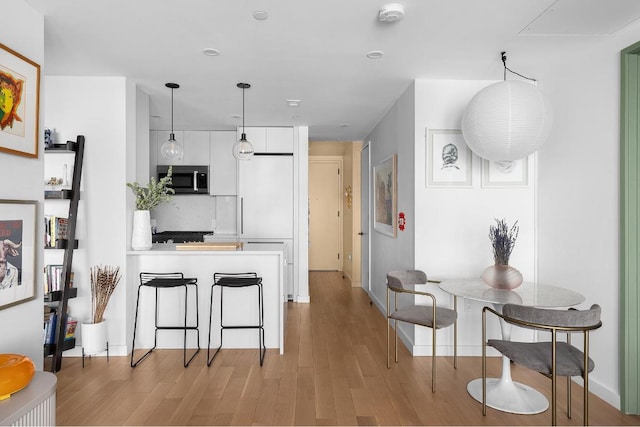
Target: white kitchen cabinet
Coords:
[(280, 140), (222, 165), (257, 136), (163, 136), (269, 139), (196, 148), (153, 152), (265, 197)]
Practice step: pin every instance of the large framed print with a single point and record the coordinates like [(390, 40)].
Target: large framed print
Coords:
[(385, 189), (19, 103), (448, 159), (18, 251), (505, 174)]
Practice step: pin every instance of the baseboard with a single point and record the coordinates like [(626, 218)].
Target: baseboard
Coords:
[(114, 350), (303, 299)]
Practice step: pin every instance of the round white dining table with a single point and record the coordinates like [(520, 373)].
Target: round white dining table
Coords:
[(503, 393)]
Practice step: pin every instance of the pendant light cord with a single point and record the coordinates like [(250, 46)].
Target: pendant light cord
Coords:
[(243, 111), (171, 111), (504, 62)]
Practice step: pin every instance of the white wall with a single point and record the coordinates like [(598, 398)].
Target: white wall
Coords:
[(21, 325), (579, 192), (394, 135), (101, 109), (452, 224)]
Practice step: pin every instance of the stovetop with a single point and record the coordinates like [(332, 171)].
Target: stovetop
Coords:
[(179, 236)]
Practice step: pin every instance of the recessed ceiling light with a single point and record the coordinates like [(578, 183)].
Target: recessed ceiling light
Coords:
[(261, 15), (345, 125), (389, 13), (293, 102), (296, 117), (375, 54), (237, 116), (211, 51), (155, 116)]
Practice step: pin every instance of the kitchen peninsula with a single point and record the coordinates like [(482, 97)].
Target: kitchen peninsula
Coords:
[(240, 306)]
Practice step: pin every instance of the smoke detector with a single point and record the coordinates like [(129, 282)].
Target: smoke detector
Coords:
[(393, 12)]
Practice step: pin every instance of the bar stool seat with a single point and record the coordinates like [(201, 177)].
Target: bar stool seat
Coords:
[(237, 280), (159, 281)]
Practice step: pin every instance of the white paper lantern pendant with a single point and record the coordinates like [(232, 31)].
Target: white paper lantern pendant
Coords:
[(508, 120)]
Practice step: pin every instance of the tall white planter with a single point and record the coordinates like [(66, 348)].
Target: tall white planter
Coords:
[(141, 234), (94, 337)]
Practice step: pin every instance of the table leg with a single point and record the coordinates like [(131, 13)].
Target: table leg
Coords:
[(503, 393)]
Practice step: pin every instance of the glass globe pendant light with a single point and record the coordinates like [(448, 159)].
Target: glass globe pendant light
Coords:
[(243, 149), (172, 149)]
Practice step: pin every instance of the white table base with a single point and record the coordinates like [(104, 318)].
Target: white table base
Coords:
[(509, 396)]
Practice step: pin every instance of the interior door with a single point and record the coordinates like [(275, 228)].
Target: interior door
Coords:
[(365, 173), (325, 223)]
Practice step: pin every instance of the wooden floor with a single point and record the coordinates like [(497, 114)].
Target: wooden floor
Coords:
[(333, 372)]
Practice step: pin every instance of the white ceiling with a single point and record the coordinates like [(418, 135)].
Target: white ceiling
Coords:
[(312, 51)]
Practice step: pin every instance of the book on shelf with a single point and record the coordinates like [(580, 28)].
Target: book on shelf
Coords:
[(55, 229), (53, 280), (71, 328)]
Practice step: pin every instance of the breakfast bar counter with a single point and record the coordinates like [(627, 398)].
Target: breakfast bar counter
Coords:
[(201, 260)]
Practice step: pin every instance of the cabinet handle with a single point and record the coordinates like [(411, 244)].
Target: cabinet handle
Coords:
[(195, 181), (241, 215)]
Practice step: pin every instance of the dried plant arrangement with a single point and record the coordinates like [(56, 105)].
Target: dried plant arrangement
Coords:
[(503, 239), (103, 282)]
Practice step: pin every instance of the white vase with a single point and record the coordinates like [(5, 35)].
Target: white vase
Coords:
[(94, 337), (141, 234)]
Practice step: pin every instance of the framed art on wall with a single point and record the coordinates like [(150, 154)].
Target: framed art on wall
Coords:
[(385, 196), (19, 103), (448, 159), (505, 174), (18, 251)]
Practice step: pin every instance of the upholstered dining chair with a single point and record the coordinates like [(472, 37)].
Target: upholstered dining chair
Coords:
[(550, 358), (428, 315)]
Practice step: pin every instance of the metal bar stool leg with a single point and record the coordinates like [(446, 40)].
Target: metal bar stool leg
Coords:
[(135, 326), (186, 327)]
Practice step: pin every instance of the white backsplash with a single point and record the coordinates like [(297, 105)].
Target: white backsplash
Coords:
[(197, 213)]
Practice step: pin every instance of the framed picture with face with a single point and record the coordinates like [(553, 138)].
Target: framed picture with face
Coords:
[(19, 103), (448, 159)]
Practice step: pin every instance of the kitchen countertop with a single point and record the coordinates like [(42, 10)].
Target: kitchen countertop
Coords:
[(164, 248)]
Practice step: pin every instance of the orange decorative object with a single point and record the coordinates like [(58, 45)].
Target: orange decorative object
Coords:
[(16, 372)]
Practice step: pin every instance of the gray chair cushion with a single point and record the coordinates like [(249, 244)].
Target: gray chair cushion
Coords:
[(568, 318), (401, 278), (537, 356), (423, 315)]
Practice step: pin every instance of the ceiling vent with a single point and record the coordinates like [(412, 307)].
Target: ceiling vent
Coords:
[(389, 13)]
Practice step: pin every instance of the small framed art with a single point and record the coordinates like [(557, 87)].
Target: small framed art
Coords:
[(385, 196), (505, 174), (448, 159), (19, 103), (18, 251)]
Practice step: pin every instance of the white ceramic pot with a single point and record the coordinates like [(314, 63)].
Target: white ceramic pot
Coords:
[(94, 337), (141, 233)]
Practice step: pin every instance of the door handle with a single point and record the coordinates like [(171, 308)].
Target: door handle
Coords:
[(241, 215), (195, 181), (361, 233)]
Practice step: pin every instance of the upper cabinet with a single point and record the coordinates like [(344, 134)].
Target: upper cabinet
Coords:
[(222, 164), (269, 139), (195, 144), (196, 147)]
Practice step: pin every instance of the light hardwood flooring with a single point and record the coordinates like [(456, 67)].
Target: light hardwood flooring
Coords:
[(333, 372)]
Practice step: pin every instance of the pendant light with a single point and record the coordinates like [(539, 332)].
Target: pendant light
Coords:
[(172, 149), (242, 149), (508, 120)]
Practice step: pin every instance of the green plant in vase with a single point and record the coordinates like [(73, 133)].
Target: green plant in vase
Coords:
[(147, 198), (503, 239)]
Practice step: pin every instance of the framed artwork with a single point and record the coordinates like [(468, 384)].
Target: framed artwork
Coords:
[(19, 103), (448, 159), (385, 187), (18, 251), (505, 174)]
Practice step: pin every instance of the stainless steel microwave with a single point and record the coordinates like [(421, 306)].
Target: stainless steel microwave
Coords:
[(187, 179)]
